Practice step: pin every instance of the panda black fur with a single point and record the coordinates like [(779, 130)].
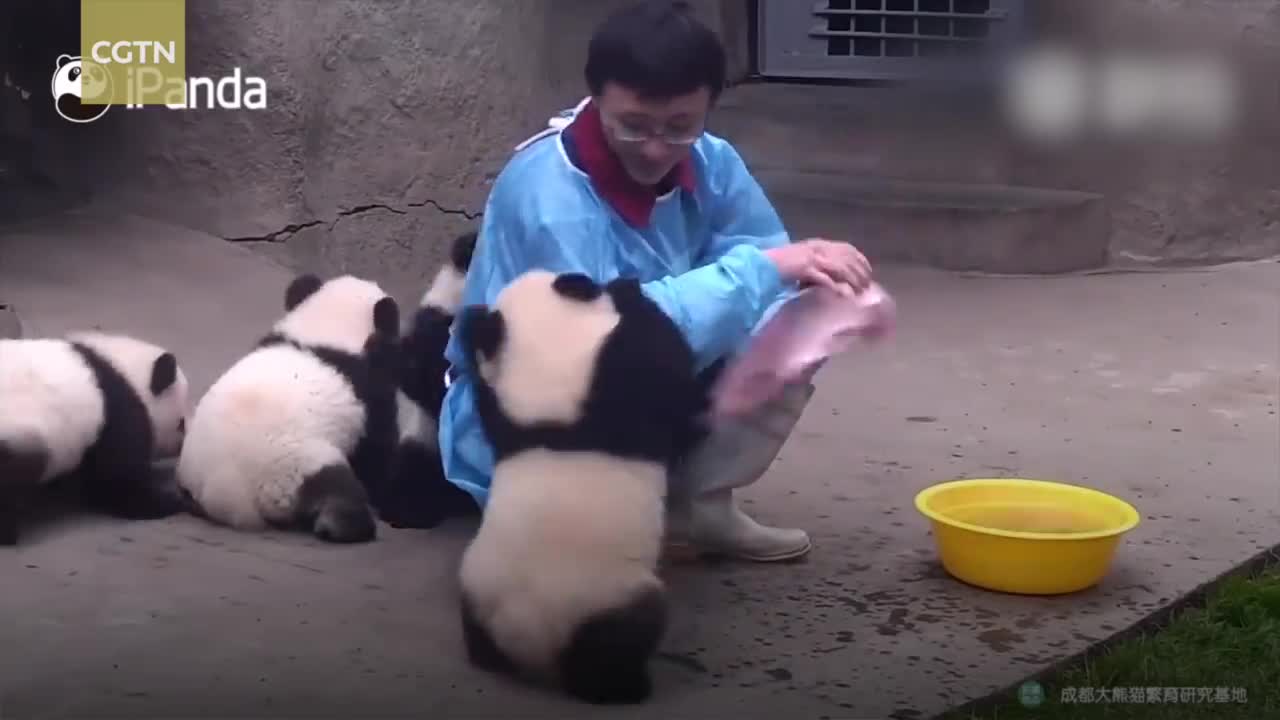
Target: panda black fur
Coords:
[(428, 334), (585, 393), (418, 495), (302, 429), (93, 407)]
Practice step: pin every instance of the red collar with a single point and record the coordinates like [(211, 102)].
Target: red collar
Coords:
[(633, 201)]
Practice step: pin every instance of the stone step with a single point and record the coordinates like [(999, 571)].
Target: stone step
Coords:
[(908, 181), (951, 226), (867, 132)]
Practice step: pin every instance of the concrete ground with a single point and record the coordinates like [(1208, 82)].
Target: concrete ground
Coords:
[(1159, 387)]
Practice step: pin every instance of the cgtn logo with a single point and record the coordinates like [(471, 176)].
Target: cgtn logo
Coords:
[(83, 90), (73, 81), (230, 92)]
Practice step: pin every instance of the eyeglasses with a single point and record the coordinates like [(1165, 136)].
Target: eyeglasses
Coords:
[(630, 134), (686, 137)]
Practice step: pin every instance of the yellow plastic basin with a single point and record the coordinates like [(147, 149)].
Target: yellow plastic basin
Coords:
[(1025, 536)]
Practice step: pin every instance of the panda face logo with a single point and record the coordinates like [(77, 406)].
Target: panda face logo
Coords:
[(73, 81)]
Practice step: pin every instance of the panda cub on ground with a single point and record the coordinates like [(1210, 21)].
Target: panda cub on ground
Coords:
[(298, 432), (584, 392), (418, 495), (93, 407)]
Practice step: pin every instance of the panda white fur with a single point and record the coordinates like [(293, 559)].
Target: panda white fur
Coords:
[(418, 495), (584, 391), (95, 407), (299, 431)]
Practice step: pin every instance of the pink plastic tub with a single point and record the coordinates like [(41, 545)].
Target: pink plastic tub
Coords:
[(811, 327)]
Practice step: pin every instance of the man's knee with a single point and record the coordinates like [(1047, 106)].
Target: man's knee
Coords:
[(799, 388)]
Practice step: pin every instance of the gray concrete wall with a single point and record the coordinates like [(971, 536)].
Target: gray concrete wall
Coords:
[(386, 122), (1220, 200)]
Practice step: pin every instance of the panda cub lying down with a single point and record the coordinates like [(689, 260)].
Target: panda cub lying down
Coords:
[(297, 432), (585, 392), (332, 415), (94, 408)]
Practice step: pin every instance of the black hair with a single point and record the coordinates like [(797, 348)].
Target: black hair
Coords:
[(658, 49)]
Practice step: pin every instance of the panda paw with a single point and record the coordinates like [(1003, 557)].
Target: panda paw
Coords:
[(385, 358), (632, 688), (144, 503), (345, 523), (417, 496)]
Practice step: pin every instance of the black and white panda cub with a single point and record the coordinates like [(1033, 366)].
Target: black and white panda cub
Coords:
[(418, 495), (584, 391), (93, 407), (298, 432), (428, 333)]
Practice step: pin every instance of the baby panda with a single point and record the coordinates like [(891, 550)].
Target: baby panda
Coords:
[(95, 408), (418, 495), (584, 391), (299, 432), (428, 334)]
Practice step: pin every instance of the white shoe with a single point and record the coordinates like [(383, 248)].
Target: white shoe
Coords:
[(703, 512), (714, 524)]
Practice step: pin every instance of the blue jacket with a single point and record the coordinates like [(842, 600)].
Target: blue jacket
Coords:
[(700, 260)]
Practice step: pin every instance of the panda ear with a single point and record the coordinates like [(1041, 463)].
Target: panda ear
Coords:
[(627, 295), (63, 60), (386, 317), (164, 373), (577, 286), (482, 330), (464, 246), (300, 289)]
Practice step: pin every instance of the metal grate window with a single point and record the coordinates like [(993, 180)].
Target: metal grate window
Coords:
[(879, 39)]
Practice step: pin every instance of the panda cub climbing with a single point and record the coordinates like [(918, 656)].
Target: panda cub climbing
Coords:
[(298, 432), (584, 391), (93, 407), (428, 334), (418, 495)]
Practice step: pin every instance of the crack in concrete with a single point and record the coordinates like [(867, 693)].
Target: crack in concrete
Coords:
[(288, 231)]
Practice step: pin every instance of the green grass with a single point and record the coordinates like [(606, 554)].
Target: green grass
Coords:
[(1231, 640)]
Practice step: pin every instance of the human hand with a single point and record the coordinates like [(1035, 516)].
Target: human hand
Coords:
[(815, 261)]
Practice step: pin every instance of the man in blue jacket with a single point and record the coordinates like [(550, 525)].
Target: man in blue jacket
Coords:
[(629, 183)]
